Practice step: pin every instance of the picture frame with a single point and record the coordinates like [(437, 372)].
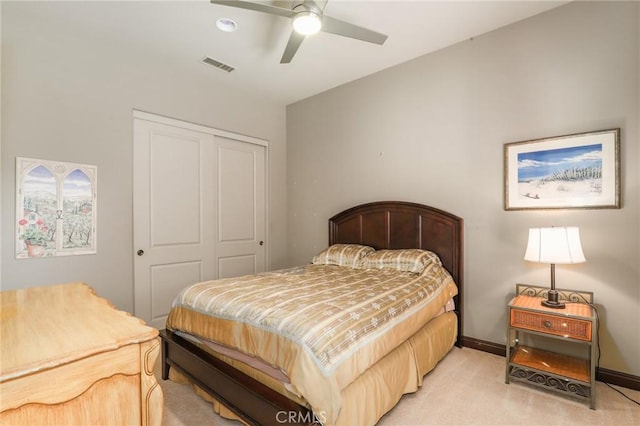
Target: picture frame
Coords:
[(56, 208), (577, 171)]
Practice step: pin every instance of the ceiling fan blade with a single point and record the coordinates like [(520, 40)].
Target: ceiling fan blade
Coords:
[(260, 7), (292, 47), (342, 28)]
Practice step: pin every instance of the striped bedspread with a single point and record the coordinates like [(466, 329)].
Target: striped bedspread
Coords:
[(323, 325)]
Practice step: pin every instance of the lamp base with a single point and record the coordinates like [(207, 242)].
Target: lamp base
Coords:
[(551, 304), (552, 301)]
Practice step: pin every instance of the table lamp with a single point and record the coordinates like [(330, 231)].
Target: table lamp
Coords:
[(554, 245)]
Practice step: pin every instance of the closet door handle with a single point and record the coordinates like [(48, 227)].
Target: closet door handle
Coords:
[(140, 252), (261, 243)]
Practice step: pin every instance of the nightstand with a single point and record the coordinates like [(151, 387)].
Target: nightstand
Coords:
[(576, 323)]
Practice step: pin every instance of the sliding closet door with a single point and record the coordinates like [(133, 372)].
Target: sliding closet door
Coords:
[(240, 204), (199, 210)]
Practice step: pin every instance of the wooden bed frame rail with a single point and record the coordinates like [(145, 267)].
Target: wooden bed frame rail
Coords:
[(249, 399)]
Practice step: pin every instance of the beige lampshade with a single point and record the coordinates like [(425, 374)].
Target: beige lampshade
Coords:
[(554, 245)]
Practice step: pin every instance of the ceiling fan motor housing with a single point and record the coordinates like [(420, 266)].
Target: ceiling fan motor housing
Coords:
[(302, 7)]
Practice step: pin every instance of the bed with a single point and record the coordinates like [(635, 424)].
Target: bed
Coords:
[(357, 385)]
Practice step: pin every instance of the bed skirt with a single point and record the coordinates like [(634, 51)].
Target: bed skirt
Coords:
[(378, 389)]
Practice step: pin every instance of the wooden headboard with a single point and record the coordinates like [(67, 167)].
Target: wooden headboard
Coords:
[(397, 225)]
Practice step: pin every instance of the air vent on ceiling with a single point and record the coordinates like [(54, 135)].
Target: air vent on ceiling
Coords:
[(224, 67)]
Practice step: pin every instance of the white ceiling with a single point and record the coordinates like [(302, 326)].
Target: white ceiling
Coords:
[(183, 32)]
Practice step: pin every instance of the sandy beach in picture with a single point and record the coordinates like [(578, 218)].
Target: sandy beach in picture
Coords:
[(558, 189)]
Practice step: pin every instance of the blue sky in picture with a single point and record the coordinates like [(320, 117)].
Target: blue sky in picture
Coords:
[(41, 180), (77, 184), (539, 164)]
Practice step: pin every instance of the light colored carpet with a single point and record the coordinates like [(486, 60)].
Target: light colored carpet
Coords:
[(466, 388)]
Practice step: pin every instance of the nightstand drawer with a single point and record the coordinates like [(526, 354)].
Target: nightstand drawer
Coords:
[(551, 324)]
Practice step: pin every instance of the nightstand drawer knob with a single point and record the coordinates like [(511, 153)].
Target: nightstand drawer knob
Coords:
[(547, 324)]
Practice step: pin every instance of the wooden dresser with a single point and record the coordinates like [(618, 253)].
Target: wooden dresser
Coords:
[(69, 357)]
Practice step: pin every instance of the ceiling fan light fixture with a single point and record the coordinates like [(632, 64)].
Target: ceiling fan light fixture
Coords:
[(307, 22)]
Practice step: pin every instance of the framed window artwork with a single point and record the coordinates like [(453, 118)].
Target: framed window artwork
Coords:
[(563, 172), (56, 208)]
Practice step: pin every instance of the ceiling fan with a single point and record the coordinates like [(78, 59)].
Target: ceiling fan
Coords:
[(308, 18)]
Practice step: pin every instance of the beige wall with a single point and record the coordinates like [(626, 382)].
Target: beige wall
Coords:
[(68, 95), (432, 131)]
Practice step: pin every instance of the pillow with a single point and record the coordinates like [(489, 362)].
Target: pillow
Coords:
[(405, 260), (342, 255)]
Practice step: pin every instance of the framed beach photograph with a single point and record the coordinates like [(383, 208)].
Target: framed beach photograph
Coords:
[(563, 172)]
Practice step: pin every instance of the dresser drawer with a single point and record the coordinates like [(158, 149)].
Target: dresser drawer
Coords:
[(551, 324)]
